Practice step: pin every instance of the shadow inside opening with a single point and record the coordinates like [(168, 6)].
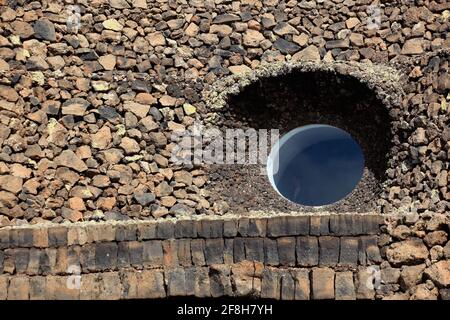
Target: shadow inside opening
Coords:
[(294, 100)]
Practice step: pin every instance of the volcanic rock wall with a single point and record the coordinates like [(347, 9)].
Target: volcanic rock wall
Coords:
[(92, 91)]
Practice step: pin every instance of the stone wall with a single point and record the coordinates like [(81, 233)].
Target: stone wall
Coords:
[(279, 257), (87, 115), (86, 124), (265, 257)]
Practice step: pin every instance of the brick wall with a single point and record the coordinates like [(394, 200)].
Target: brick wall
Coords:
[(281, 257)]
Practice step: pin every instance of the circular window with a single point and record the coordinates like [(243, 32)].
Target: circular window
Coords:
[(315, 165)]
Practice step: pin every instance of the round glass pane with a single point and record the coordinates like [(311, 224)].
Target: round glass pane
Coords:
[(315, 165)]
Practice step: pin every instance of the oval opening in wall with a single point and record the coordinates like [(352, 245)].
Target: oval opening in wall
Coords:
[(315, 165)]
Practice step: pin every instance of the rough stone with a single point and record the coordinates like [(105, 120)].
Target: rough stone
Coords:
[(407, 252), (252, 38), (344, 286), (322, 283), (310, 53), (44, 29), (75, 107), (69, 159), (439, 273)]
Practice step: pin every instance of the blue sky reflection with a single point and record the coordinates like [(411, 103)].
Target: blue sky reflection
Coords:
[(317, 165)]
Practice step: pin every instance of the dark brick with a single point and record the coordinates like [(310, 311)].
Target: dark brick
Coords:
[(371, 224), (328, 251), (230, 228), (186, 229), (176, 282), (307, 251), (319, 225), (25, 238), (243, 227), (302, 284), (214, 251), (21, 258), (338, 225), (286, 251), (123, 255), (219, 278), (170, 249), (197, 252), (73, 255), (105, 255), (287, 285), (254, 249), (276, 226), (34, 261), (100, 232), (344, 286), (14, 238), (369, 252), (228, 254), (207, 228), (297, 225), (87, 257), (202, 283), (287, 226), (165, 230), (346, 224), (270, 252), (4, 239), (322, 283), (44, 262), (239, 250), (270, 284), (190, 273), (47, 261), (9, 261), (57, 236), (356, 225), (146, 231), (152, 253), (38, 288), (2, 258), (60, 265), (349, 252), (126, 232), (257, 227), (184, 252), (136, 252)]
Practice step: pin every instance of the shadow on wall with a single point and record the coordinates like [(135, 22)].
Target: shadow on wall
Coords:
[(317, 97)]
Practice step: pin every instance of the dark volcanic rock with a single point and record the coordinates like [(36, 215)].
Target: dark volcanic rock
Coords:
[(286, 46), (44, 29)]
